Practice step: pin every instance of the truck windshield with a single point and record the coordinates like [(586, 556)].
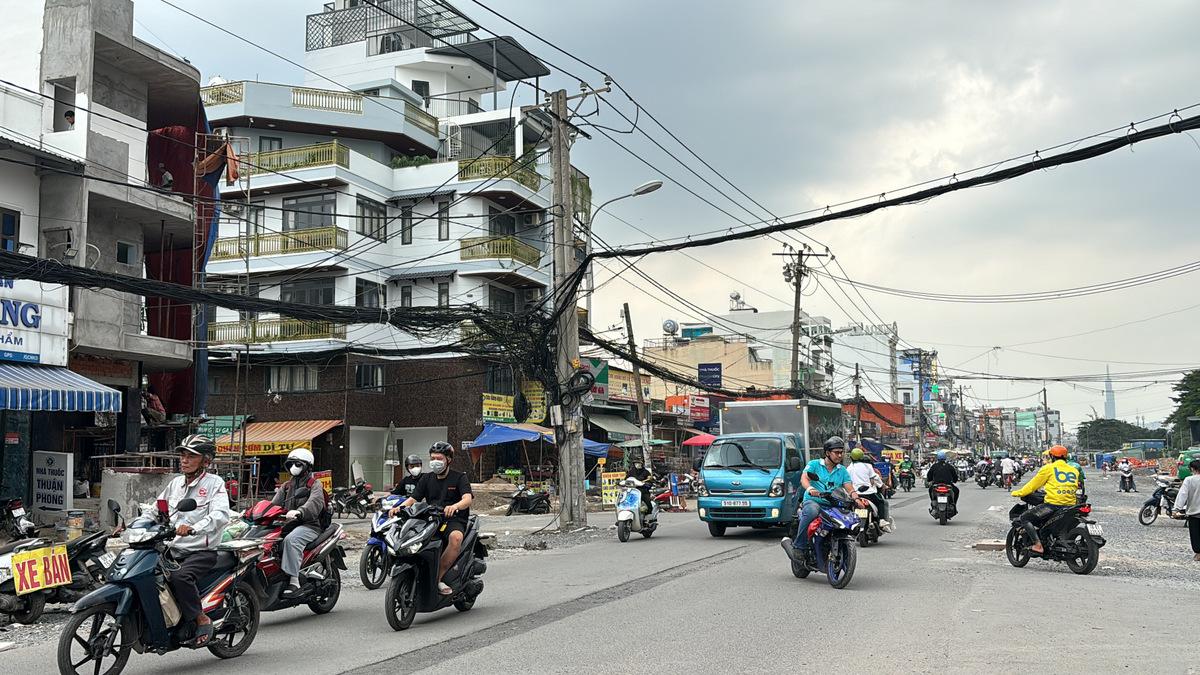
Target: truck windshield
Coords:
[(743, 452)]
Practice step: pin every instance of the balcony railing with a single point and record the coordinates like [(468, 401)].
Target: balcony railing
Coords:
[(304, 157), (223, 94), (483, 248), (279, 243), (496, 166), (421, 119), (274, 330), (325, 99)]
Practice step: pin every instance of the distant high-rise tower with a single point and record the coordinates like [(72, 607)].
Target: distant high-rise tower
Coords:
[(1110, 401)]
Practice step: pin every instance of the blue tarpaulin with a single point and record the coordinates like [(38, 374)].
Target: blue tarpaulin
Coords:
[(494, 433)]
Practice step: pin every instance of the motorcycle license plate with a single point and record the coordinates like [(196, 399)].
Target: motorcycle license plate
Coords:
[(735, 502), (943, 500), (107, 559), (17, 513), (861, 513), (1095, 530)]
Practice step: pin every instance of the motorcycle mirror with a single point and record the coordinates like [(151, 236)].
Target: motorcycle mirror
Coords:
[(186, 505), (114, 506), (795, 464)]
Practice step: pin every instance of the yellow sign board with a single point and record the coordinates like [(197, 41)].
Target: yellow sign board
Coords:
[(499, 407), (264, 448), (41, 568), (609, 488)]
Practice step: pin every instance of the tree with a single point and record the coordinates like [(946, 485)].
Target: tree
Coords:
[(1103, 434), (1187, 400)]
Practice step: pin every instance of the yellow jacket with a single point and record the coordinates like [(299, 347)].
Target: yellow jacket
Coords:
[(1060, 480)]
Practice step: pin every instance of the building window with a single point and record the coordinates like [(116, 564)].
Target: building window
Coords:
[(251, 292), (292, 378), (256, 218), (269, 143), (907, 398), (309, 292), (406, 296), (369, 294), (309, 211), (501, 300), (368, 377), (420, 88), (127, 253), (10, 230), (501, 223), (443, 214), (406, 225), (500, 380), (372, 219), (214, 383), (443, 294)]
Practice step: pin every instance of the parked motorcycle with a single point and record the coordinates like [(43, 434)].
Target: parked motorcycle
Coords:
[(134, 610), (13, 521), (984, 479), (1127, 480), (1163, 499), (375, 561), (907, 480), (871, 529), (632, 515), (831, 549), (320, 580), (356, 500), (525, 500), (944, 507), (1068, 536), (415, 551), (86, 569)]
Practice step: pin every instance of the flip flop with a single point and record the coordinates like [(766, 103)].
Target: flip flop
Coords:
[(443, 589), (203, 636)]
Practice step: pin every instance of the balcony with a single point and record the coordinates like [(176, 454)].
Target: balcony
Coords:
[(303, 157), (511, 248), (223, 94), (274, 330), (280, 243), (495, 166)]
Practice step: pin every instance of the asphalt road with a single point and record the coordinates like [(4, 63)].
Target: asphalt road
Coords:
[(920, 601)]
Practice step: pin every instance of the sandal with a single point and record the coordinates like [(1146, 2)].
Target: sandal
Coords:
[(202, 637), (443, 589)]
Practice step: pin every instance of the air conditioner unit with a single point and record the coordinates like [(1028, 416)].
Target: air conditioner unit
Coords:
[(233, 207), (531, 294), (527, 219)]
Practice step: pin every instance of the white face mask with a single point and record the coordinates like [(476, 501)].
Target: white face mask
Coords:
[(414, 471), (437, 466), (296, 470)]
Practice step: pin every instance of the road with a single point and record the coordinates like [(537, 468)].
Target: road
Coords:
[(921, 601)]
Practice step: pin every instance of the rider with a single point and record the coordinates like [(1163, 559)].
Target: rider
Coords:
[(830, 475), (1078, 467), (412, 474), (1060, 482), (197, 532), (961, 466), (304, 498), (942, 471), (884, 467), (864, 475), (1124, 466), (449, 489), (1008, 467), (640, 473)]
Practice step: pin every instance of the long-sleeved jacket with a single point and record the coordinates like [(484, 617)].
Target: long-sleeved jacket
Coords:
[(302, 493), (942, 471), (1060, 480), (209, 518), (1188, 500)]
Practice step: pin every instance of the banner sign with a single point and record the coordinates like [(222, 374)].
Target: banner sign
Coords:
[(1026, 420), (264, 448), (599, 369), (609, 488), (40, 569), (53, 473), (33, 322), (499, 407), (709, 374)]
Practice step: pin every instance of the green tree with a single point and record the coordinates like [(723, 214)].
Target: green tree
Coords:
[(1187, 404), (1103, 434)]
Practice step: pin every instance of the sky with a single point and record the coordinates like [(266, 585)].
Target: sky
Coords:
[(805, 104)]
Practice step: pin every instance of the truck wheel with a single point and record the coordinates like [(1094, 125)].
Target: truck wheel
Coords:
[(716, 529)]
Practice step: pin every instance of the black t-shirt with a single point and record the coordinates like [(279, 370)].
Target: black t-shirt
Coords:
[(641, 474), (407, 485), (444, 491)]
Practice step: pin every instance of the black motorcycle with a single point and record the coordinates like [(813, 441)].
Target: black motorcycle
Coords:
[(1068, 536), (13, 522), (415, 550), (1162, 500), (871, 529), (944, 506), (525, 500), (984, 479), (907, 480), (87, 563), (1127, 480), (356, 500)]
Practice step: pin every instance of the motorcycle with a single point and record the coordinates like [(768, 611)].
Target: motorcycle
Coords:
[(1068, 536), (629, 511), (907, 480), (1007, 480), (944, 507), (984, 479), (871, 529), (375, 561), (87, 564), (1127, 480), (356, 500), (415, 551), (525, 500), (135, 611), (831, 549), (1167, 489), (320, 580), (13, 521)]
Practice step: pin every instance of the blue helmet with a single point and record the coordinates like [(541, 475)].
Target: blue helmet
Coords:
[(941, 455)]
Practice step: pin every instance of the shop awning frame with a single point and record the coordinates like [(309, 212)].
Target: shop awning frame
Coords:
[(498, 432), (53, 389), (615, 425), (258, 433)]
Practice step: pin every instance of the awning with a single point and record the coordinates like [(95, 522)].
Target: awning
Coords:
[(616, 425), (417, 194), (53, 389), (637, 443), (701, 441), (513, 62), (427, 273), (275, 438), (495, 432)]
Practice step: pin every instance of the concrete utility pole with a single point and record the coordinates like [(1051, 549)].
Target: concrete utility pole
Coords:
[(794, 272), (857, 406), (1046, 415), (643, 415)]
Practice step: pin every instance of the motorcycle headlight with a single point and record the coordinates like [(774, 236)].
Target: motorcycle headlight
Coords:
[(701, 488), (776, 488), (414, 549)]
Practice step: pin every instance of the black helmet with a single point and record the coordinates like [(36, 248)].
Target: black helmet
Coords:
[(413, 460), (444, 448), (198, 444), (835, 443)]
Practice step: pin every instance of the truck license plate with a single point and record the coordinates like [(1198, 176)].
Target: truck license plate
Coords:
[(735, 502)]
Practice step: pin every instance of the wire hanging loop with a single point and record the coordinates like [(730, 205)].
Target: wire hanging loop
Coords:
[(1129, 133), (1173, 119), (953, 179)]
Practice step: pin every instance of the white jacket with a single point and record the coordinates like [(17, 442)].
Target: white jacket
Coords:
[(863, 473), (1189, 496), (211, 514)]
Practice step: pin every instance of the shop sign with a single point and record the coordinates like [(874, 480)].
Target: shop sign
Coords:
[(33, 322), (610, 486), (698, 408), (499, 407), (599, 369), (264, 448), (52, 474), (709, 374), (622, 386), (40, 569)]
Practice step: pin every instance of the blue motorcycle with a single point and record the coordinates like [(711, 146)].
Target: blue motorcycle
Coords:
[(375, 560), (831, 536)]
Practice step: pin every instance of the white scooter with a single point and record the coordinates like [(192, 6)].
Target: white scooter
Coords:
[(629, 511)]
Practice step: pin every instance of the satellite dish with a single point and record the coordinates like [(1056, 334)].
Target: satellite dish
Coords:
[(735, 296), (670, 327)]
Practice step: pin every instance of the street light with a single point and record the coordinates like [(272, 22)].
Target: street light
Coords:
[(643, 189), (647, 187)]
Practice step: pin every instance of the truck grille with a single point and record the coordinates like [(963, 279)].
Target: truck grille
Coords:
[(737, 513), (737, 492)]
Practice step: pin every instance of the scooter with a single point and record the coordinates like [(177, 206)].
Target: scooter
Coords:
[(375, 561), (1163, 499), (13, 522), (944, 507), (356, 500), (525, 500), (135, 611), (320, 580), (630, 516), (1127, 480), (831, 548), (984, 479), (907, 480), (85, 570), (416, 551)]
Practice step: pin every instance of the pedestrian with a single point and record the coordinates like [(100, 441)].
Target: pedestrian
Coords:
[(1187, 505)]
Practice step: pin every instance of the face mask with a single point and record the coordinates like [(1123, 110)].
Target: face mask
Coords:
[(296, 470), (414, 471), (437, 465)]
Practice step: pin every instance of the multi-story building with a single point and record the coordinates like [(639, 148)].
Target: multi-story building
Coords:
[(743, 362), (84, 125), (399, 174)]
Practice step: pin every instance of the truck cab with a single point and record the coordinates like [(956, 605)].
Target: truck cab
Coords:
[(751, 480)]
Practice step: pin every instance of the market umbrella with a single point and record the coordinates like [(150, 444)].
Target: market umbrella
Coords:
[(703, 440)]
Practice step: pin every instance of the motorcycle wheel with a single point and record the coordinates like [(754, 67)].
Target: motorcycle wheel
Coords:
[(1014, 548), (359, 510), (401, 601), (942, 517), (840, 572), (511, 507), (242, 613), (541, 507), (1148, 515), (464, 605), (33, 612), (94, 625), (371, 569), (864, 539), (324, 604), (1087, 553), (716, 529), (800, 570), (623, 531)]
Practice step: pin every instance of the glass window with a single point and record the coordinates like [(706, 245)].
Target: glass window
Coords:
[(256, 213), (406, 296), (368, 377), (292, 378), (10, 230), (742, 452), (372, 219), (369, 294), (502, 300), (406, 225), (443, 214), (443, 295), (501, 223), (269, 143), (500, 379), (127, 253), (907, 398), (309, 211), (420, 88), (308, 292)]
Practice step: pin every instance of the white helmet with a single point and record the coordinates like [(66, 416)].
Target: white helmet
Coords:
[(301, 454)]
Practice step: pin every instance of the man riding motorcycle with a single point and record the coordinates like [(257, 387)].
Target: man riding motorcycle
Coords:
[(864, 475), (1060, 481), (412, 473), (451, 490), (830, 476), (304, 498), (942, 471), (641, 473)]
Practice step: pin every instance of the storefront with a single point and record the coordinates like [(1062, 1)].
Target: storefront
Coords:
[(270, 443)]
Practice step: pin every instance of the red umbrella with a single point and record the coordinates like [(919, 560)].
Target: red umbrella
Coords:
[(703, 440)]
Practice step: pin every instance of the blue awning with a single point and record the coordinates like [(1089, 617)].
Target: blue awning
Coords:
[(495, 432), (52, 389)]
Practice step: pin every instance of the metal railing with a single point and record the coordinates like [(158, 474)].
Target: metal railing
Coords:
[(326, 99), (278, 243), (420, 119), (483, 248), (274, 330), (304, 157), (222, 94), (498, 166)]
